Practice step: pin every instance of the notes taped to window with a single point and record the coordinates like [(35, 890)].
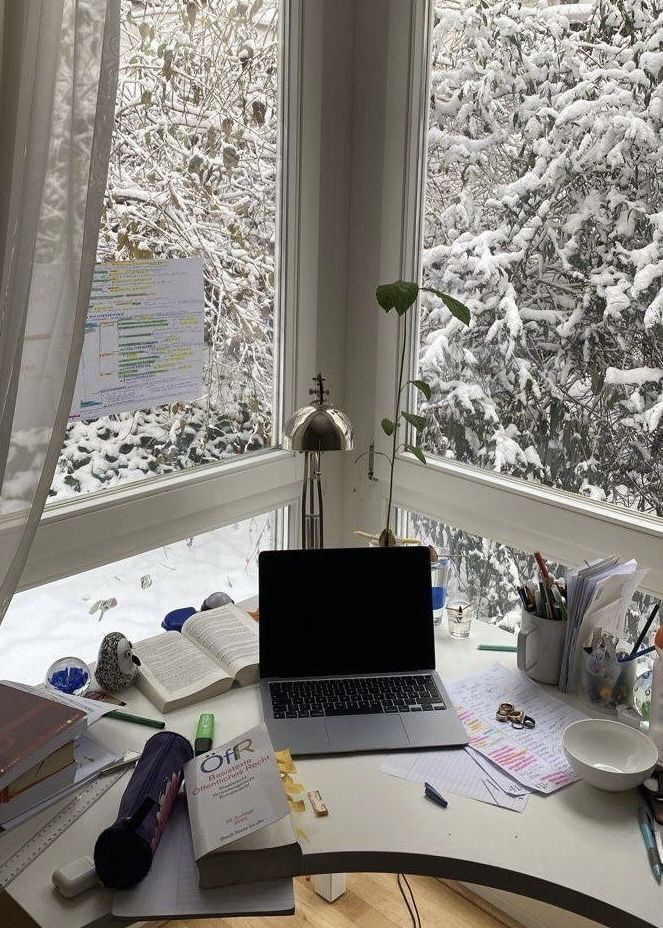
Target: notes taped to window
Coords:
[(143, 337)]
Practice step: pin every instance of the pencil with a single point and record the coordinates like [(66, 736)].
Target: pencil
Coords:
[(137, 719)]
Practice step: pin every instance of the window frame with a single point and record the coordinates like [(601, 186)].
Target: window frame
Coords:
[(527, 515), (81, 533)]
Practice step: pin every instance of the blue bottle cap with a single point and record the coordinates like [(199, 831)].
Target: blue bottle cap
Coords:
[(173, 621)]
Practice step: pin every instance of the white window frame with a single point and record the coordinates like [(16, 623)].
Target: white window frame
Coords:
[(526, 515), (80, 534)]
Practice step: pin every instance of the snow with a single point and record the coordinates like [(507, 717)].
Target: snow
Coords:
[(636, 375), (54, 620)]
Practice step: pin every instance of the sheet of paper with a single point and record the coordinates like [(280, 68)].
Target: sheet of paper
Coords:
[(533, 757), (143, 337), (90, 758), (453, 771), (171, 888)]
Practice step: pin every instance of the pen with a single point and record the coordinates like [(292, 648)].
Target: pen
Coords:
[(496, 647), (648, 624), (431, 793), (138, 719), (650, 843)]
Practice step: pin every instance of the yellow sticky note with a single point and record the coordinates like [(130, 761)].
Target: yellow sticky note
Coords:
[(285, 761), (292, 787), (296, 805), (302, 834)]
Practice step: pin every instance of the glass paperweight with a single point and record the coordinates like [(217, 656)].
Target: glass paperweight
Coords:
[(69, 675)]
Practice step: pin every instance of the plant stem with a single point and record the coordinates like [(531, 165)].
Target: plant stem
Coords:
[(397, 424)]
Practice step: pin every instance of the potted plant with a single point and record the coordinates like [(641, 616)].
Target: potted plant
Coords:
[(401, 295)]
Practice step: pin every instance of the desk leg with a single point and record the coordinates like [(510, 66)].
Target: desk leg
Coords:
[(330, 885)]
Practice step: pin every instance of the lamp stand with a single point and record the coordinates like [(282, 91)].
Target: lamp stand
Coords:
[(312, 522)]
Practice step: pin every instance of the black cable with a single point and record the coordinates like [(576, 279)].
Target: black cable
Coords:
[(406, 901), (412, 908)]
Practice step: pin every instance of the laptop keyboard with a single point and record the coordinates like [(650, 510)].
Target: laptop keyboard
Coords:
[(293, 699)]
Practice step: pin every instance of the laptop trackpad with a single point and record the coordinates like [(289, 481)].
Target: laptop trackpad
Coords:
[(366, 733)]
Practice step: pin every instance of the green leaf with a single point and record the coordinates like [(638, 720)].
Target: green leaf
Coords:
[(417, 452), (388, 426), (455, 307), (399, 295), (419, 422), (422, 386)]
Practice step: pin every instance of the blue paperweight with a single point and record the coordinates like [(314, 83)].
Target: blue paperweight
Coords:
[(69, 675)]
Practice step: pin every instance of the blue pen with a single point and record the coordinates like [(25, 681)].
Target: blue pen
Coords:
[(650, 843), (432, 794)]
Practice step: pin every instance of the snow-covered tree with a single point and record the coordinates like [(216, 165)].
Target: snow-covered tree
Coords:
[(193, 173), (544, 214)]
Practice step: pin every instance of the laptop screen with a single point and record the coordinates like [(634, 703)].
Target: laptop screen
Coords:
[(345, 610)]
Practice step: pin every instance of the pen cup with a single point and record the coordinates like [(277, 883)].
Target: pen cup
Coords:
[(540, 647)]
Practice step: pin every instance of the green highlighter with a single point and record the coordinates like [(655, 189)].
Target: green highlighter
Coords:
[(204, 733)]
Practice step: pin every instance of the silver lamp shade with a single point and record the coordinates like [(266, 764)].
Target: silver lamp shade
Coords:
[(313, 429)]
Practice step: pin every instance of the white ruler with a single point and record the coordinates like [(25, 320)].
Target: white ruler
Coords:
[(28, 852)]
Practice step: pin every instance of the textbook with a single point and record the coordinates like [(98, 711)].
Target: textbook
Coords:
[(32, 727), (238, 811), (214, 649)]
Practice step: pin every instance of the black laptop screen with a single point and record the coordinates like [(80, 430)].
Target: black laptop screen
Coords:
[(345, 610)]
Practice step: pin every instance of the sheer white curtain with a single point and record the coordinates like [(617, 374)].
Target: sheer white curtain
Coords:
[(58, 76)]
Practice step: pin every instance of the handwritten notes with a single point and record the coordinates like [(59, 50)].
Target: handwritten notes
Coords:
[(533, 757)]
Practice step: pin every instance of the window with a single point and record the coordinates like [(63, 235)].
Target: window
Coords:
[(490, 574), (193, 173), (543, 213), (67, 617)]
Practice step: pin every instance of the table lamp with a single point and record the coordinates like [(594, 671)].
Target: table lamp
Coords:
[(313, 429)]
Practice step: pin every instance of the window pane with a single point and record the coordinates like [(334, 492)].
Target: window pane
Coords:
[(193, 173), (543, 213), (59, 619), (492, 572)]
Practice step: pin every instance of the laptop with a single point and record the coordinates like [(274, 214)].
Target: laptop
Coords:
[(347, 654)]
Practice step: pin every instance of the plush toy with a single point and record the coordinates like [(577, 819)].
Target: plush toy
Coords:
[(117, 665)]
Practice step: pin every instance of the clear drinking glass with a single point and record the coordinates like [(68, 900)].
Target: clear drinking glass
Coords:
[(439, 575), (460, 613)]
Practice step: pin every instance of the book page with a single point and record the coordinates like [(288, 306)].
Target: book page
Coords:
[(174, 666), (229, 637)]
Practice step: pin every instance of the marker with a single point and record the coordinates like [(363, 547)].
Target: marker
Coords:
[(204, 734), (432, 794)]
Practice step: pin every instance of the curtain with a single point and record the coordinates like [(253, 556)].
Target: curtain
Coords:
[(58, 77)]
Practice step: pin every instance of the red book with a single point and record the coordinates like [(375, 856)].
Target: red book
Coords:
[(32, 727)]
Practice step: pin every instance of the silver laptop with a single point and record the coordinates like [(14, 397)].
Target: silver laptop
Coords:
[(347, 655)]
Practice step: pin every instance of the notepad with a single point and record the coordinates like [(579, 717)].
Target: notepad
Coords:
[(170, 889)]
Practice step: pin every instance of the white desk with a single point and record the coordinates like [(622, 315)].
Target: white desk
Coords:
[(579, 849)]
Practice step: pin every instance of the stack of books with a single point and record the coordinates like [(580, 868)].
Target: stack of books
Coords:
[(37, 742)]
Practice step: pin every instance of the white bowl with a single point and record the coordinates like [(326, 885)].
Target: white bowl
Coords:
[(609, 755)]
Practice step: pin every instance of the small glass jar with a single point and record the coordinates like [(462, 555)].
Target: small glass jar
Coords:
[(459, 616)]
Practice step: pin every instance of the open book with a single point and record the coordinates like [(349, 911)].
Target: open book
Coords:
[(240, 822), (214, 648)]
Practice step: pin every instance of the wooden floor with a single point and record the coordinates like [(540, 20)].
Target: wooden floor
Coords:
[(372, 900)]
